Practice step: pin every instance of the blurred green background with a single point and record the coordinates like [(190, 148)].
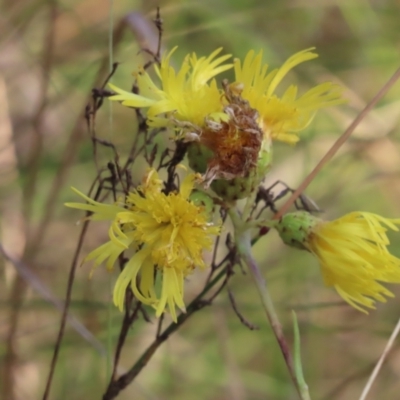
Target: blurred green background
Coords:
[(52, 54)]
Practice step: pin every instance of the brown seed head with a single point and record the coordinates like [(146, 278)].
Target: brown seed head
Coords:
[(235, 143)]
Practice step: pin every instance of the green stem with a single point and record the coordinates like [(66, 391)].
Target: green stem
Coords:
[(248, 206), (243, 242), (298, 369)]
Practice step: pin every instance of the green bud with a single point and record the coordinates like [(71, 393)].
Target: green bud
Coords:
[(295, 228), (198, 156), (202, 199)]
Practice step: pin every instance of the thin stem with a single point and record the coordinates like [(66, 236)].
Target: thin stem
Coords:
[(338, 144), (124, 380), (378, 366), (64, 315), (249, 205), (298, 368), (243, 242), (129, 317)]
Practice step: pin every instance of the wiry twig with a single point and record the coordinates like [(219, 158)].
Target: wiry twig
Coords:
[(224, 216), (338, 144), (129, 316), (156, 56), (124, 380), (91, 112), (64, 315), (60, 335), (177, 157), (159, 325), (242, 319), (379, 364)]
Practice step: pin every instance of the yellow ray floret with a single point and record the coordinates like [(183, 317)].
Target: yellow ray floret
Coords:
[(188, 95), (354, 258), (167, 234), (281, 118)]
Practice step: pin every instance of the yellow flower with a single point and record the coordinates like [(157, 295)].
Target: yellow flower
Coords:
[(189, 95), (352, 252), (281, 118), (167, 233)]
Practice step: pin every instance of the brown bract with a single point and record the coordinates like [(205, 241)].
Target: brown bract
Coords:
[(235, 143)]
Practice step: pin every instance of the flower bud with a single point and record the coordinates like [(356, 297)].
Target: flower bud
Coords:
[(295, 228)]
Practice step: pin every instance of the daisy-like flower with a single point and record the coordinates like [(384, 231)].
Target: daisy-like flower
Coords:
[(188, 95), (166, 233), (352, 252), (281, 118)]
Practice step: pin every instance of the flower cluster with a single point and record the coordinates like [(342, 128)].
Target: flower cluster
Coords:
[(229, 129), (190, 102), (191, 95)]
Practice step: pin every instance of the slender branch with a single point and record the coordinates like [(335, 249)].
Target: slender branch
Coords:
[(197, 304), (338, 144), (242, 319), (243, 242), (159, 325), (382, 358), (129, 317), (64, 315)]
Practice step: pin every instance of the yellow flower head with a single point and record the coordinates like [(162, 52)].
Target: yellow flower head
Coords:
[(281, 117), (352, 252), (188, 95), (167, 233)]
